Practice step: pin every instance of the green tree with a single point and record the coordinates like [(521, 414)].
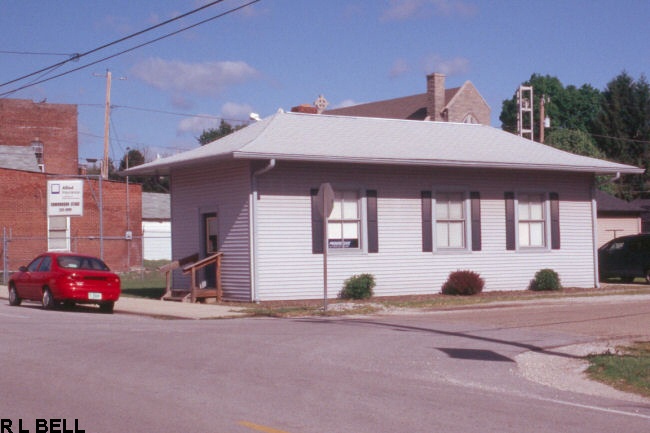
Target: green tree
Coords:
[(570, 108), (212, 134), (574, 141), (149, 183), (622, 128)]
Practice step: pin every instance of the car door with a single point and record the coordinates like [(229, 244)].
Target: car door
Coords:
[(44, 274), (27, 283), (633, 260), (612, 258)]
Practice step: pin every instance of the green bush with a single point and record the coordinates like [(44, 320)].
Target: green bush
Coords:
[(463, 283), (358, 287), (546, 279)]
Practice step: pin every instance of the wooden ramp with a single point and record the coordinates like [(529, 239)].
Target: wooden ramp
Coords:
[(190, 265)]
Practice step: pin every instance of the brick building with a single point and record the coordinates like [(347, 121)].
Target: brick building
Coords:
[(52, 127), (38, 142), (462, 104)]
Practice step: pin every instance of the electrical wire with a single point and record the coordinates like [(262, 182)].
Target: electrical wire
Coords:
[(130, 49), (77, 56)]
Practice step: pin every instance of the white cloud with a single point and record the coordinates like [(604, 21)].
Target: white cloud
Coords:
[(196, 125), (206, 78), (449, 67), (231, 112), (345, 103), (400, 67), (401, 10)]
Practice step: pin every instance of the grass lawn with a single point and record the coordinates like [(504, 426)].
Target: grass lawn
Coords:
[(146, 283), (627, 368)]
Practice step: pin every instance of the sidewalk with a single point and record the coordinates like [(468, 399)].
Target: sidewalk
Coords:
[(167, 309)]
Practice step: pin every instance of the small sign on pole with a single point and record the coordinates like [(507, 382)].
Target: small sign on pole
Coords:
[(325, 204), (65, 198)]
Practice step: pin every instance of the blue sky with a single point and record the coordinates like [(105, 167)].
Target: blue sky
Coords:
[(281, 53)]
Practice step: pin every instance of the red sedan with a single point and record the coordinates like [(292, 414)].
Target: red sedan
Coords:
[(52, 278)]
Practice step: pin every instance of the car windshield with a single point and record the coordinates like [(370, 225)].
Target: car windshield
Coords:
[(81, 262)]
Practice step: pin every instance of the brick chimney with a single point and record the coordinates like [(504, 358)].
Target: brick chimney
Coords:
[(304, 108), (435, 96)]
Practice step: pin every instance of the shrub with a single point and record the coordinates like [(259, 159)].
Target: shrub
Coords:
[(358, 287), (546, 279), (463, 283)]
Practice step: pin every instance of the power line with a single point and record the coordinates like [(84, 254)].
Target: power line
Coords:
[(130, 49), (35, 53), (77, 56)]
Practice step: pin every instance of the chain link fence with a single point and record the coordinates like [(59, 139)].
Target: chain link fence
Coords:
[(120, 254)]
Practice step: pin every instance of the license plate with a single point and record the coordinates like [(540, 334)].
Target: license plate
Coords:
[(95, 296)]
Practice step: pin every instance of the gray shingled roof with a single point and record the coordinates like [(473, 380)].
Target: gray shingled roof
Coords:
[(323, 138), (155, 206), (609, 203), (18, 158)]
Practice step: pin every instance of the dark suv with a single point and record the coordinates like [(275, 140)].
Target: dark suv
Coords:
[(627, 257)]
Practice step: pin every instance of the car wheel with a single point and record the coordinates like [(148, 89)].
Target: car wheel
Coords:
[(106, 307), (48, 300), (14, 299)]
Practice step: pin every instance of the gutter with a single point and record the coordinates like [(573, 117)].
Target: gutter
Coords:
[(253, 197)]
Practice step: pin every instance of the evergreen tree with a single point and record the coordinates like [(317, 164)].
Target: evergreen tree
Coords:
[(212, 134), (622, 129)]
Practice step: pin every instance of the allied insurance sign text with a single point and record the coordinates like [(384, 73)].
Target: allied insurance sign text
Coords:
[(65, 198)]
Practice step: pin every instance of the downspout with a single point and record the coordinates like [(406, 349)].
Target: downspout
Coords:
[(253, 197), (594, 225), (594, 233)]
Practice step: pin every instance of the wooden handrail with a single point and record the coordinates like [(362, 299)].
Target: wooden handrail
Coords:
[(191, 264), (192, 268), (169, 267)]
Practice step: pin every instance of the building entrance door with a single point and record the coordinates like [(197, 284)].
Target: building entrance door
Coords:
[(210, 246)]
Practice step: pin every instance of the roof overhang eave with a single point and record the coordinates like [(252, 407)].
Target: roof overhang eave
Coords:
[(164, 169), (441, 163)]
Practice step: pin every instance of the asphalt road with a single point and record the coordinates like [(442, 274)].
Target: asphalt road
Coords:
[(434, 372)]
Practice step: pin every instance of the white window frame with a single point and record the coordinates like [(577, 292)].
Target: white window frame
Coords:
[(361, 219), (466, 221), (529, 220), (51, 240)]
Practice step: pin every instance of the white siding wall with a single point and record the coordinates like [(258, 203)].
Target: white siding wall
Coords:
[(222, 188), (287, 269), (157, 240), (611, 227)]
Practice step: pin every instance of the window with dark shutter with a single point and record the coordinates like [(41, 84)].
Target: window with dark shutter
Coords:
[(316, 225), (555, 220), (475, 209), (371, 211), (427, 228), (509, 198)]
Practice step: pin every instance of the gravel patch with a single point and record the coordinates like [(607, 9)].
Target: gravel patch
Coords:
[(568, 374)]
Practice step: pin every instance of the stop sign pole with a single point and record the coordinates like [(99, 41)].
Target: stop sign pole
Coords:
[(324, 204)]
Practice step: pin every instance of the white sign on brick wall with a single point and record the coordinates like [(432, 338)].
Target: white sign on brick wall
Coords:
[(65, 198)]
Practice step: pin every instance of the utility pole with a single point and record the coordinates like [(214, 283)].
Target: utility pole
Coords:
[(107, 122), (544, 120), (107, 119)]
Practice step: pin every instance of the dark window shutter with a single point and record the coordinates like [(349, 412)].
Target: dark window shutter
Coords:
[(371, 214), (316, 226), (555, 220), (427, 228), (509, 198), (475, 205)]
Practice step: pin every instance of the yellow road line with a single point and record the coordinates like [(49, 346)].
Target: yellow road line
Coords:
[(261, 428)]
